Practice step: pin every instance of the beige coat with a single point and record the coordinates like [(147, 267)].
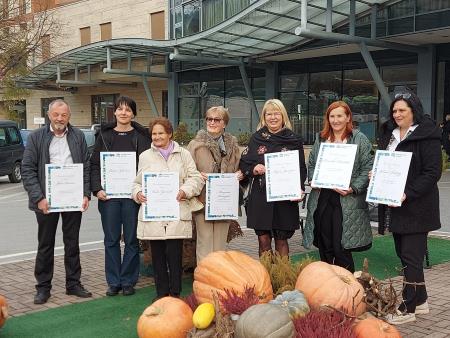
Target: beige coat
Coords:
[(191, 183)]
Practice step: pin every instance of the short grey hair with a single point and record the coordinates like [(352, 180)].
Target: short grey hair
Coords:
[(58, 102)]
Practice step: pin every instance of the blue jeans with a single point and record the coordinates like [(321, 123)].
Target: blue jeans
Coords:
[(116, 213)]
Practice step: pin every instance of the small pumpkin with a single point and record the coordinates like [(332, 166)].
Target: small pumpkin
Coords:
[(375, 328), (264, 320), (3, 310), (293, 302), (232, 270), (332, 285), (167, 317), (203, 315)]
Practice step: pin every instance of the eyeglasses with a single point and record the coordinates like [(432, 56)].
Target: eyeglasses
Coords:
[(213, 119), (402, 95)]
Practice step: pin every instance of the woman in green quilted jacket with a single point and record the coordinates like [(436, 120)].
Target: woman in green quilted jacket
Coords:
[(338, 220)]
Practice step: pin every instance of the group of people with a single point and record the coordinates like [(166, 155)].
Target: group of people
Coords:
[(337, 220)]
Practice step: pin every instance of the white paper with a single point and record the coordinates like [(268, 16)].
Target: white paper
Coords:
[(334, 166), (161, 191), (118, 170), (222, 197), (282, 176), (64, 187), (389, 174)]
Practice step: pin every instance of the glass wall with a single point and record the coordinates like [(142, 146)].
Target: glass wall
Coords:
[(102, 108)]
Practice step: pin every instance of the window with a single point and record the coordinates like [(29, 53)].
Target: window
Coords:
[(157, 26), (105, 31), (45, 47), (85, 36), (212, 13), (191, 18), (102, 108), (2, 137), (14, 137)]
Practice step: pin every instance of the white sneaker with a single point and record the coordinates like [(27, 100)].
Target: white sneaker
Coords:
[(400, 318), (422, 309)]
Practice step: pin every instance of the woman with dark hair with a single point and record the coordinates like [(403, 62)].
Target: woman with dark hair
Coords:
[(338, 220), (408, 129), (166, 237), (119, 214), (277, 220)]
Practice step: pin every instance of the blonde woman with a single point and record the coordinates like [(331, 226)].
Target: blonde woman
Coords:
[(214, 151), (277, 220)]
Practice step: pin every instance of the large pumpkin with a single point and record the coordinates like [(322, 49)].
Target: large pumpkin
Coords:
[(3, 310), (230, 270), (375, 328), (326, 284), (167, 317), (264, 320)]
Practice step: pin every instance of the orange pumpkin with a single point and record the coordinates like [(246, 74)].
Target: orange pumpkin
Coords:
[(326, 284), (230, 270), (375, 328), (167, 317), (3, 310)]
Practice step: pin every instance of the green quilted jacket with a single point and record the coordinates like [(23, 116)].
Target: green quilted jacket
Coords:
[(357, 232)]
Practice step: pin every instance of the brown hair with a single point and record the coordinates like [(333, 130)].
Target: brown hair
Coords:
[(327, 131), (222, 111), (162, 121)]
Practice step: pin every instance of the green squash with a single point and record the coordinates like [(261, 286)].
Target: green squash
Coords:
[(294, 302), (264, 320)]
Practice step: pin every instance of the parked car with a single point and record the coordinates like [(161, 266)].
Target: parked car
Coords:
[(89, 135), (11, 151), (24, 133)]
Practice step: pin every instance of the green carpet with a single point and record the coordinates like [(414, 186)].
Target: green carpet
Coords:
[(383, 262), (116, 317)]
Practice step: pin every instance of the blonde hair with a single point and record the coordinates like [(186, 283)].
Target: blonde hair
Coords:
[(222, 111), (279, 106)]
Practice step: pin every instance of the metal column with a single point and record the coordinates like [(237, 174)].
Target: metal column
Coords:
[(149, 94), (248, 90)]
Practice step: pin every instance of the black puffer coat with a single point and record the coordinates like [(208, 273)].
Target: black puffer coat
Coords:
[(420, 211)]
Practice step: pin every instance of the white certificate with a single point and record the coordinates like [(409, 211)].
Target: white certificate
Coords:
[(161, 191), (222, 197), (118, 170), (64, 187), (334, 166), (282, 176), (389, 174)]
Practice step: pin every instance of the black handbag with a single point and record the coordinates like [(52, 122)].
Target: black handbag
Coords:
[(246, 196)]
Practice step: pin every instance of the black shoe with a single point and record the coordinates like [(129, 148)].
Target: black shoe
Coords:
[(41, 297), (79, 291), (113, 290), (128, 290)]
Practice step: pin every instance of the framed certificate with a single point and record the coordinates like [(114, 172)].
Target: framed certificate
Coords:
[(282, 176), (334, 166), (118, 170), (64, 187), (161, 191), (222, 197), (389, 174)]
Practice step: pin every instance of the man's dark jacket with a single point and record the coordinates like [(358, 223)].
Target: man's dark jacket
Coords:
[(420, 211), (37, 155), (104, 142)]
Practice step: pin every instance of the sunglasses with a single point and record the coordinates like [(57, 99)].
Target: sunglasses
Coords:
[(402, 96), (213, 119)]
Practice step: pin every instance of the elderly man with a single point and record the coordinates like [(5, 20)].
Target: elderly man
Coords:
[(57, 143)]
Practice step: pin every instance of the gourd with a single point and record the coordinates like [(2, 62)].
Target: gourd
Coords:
[(3, 310), (324, 284), (293, 302), (375, 328), (232, 270), (203, 315), (264, 320), (167, 317)]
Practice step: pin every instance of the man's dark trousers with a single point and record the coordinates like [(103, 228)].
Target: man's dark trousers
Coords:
[(43, 270)]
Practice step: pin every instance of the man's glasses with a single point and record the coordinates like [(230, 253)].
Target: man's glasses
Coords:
[(402, 95), (213, 119)]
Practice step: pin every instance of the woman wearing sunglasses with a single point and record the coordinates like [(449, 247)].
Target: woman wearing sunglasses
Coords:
[(409, 129), (214, 151)]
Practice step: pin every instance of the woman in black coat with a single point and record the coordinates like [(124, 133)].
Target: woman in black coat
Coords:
[(271, 219), (408, 129)]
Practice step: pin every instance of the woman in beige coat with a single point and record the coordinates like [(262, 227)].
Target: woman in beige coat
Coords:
[(214, 151), (166, 237)]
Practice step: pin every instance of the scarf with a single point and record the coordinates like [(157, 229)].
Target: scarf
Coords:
[(166, 152)]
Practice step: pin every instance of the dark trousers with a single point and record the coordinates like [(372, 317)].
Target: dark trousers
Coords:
[(410, 248), (328, 231), (47, 225), (167, 265), (118, 214)]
